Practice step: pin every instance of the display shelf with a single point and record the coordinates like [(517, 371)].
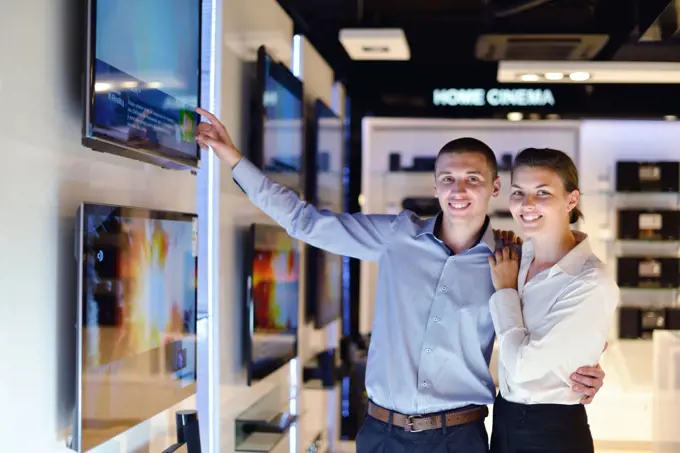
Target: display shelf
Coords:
[(647, 288), (645, 299), (265, 423), (614, 193), (618, 248), (260, 442), (654, 300)]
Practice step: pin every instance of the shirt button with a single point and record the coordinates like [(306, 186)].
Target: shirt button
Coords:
[(436, 319), (443, 288), (428, 350), (424, 383)]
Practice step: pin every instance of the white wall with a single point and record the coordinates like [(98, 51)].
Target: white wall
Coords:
[(45, 174)]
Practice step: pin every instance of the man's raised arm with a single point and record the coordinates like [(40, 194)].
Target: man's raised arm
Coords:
[(356, 235)]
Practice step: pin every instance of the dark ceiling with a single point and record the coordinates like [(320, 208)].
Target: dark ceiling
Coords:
[(442, 34)]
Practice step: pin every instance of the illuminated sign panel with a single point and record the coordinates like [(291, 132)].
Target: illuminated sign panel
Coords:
[(496, 97)]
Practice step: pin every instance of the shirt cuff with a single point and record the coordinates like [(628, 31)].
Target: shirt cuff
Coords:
[(247, 176), (506, 311)]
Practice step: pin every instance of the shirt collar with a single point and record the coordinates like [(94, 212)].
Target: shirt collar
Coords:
[(430, 225), (486, 234), (572, 262)]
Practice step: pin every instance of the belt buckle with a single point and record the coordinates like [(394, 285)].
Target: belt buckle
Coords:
[(409, 424)]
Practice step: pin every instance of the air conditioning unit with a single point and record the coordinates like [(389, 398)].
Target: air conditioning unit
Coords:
[(539, 47)]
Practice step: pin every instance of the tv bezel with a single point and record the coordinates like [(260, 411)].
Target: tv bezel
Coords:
[(105, 144), (314, 255), (249, 307), (265, 67), (76, 441)]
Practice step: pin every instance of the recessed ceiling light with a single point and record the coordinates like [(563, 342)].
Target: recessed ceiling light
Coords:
[(670, 117), (592, 71), (579, 76), (529, 77), (554, 76), (375, 43), (515, 116)]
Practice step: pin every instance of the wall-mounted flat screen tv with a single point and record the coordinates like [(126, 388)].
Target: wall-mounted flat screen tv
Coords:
[(273, 299), (143, 80), (276, 129), (136, 328), (327, 138)]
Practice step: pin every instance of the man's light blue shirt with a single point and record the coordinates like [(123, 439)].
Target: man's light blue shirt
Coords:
[(432, 332)]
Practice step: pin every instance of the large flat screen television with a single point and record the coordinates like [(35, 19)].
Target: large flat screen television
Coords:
[(143, 80), (276, 129), (136, 327), (272, 292), (325, 289)]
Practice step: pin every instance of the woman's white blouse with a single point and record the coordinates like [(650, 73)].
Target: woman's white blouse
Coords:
[(552, 325)]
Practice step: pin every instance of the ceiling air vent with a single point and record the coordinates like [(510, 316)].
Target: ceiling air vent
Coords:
[(539, 47)]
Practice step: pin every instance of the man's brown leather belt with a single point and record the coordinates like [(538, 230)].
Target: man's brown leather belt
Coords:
[(416, 423)]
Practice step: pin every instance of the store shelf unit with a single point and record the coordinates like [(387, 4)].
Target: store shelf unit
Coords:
[(641, 234)]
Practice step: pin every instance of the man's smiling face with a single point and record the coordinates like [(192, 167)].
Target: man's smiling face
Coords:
[(464, 184)]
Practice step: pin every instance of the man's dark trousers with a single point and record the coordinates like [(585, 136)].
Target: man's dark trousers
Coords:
[(376, 436)]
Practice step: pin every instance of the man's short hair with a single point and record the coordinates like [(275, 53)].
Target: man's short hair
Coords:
[(474, 146)]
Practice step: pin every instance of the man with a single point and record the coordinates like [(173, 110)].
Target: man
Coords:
[(427, 377)]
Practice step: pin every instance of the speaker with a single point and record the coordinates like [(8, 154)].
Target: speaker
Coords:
[(638, 272), (395, 162), (506, 162), (673, 318), (187, 430), (650, 225), (423, 163), (630, 322), (647, 176)]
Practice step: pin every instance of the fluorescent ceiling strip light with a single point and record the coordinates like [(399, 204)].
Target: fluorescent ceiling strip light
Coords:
[(587, 72)]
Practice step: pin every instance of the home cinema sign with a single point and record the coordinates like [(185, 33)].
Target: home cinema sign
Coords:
[(496, 97)]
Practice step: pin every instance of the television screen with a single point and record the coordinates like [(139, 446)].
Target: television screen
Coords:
[(273, 293), (137, 317), (329, 142), (144, 76), (277, 126), (329, 294), (325, 302)]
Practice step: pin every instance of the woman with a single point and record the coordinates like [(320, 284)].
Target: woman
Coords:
[(552, 312)]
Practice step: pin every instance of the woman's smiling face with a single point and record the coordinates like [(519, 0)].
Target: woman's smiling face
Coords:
[(539, 202)]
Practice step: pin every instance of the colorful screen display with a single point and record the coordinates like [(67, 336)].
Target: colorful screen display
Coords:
[(275, 299), (138, 343), (146, 72), (330, 288)]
